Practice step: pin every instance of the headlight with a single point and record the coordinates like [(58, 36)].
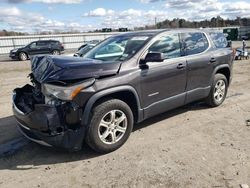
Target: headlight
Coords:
[(64, 92), (15, 50)]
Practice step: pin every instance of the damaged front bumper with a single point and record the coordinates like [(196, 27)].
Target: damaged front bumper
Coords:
[(56, 125)]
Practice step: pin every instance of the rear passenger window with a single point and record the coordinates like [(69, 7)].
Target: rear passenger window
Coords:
[(219, 40), (42, 44), (193, 43), (169, 45)]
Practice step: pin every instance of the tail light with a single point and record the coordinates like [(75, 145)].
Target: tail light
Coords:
[(62, 45)]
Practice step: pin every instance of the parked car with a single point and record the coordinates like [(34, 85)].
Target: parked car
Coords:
[(244, 37), (37, 47), (97, 99), (93, 42), (84, 50)]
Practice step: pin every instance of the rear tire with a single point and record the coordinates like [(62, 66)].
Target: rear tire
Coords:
[(218, 91), (110, 126), (22, 56)]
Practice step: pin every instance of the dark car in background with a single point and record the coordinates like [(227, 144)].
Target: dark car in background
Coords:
[(124, 80), (84, 50), (37, 47), (92, 42), (245, 37)]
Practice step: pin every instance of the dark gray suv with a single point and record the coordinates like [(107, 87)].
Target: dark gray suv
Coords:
[(35, 48), (122, 81)]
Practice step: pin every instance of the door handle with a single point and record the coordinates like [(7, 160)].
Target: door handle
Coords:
[(212, 60), (180, 66)]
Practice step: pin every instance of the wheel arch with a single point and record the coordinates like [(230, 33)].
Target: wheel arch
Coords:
[(23, 51), (225, 70), (125, 93)]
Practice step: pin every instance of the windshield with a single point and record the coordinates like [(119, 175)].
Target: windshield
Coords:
[(119, 48), (28, 44)]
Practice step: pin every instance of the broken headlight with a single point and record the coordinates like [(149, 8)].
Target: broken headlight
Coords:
[(66, 92)]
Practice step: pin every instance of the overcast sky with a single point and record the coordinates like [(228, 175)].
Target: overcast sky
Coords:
[(84, 15)]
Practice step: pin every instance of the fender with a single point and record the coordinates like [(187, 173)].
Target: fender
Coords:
[(216, 69), (95, 97)]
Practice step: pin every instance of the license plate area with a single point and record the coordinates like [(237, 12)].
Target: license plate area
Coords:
[(30, 110)]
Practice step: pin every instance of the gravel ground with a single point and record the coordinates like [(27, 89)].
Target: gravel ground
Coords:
[(193, 146)]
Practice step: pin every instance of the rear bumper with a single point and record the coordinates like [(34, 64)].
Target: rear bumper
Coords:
[(45, 124)]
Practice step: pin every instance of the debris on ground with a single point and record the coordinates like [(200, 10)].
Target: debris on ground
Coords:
[(248, 122), (244, 186)]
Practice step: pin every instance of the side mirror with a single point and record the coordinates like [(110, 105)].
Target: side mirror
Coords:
[(154, 57)]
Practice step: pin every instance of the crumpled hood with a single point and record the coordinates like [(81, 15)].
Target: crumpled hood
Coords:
[(47, 69)]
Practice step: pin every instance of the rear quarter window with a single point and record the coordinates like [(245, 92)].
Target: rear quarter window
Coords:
[(193, 43), (219, 40), (54, 43)]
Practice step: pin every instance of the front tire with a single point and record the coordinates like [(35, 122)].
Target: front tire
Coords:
[(218, 91), (23, 56), (110, 126)]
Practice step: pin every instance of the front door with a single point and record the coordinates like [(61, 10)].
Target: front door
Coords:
[(33, 48), (163, 83)]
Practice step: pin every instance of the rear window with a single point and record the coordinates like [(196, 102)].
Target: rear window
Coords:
[(193, 43), (55, 42), (219, 40)]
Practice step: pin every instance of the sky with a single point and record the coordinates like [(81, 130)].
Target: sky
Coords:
[(85, 15)]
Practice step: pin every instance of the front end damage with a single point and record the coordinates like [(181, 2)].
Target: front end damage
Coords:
[(50, 111), (56, 124)]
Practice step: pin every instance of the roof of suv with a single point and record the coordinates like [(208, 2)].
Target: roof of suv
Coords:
[(46, 41), (158, 31)]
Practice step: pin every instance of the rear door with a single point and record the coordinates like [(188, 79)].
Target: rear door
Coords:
[(200, 63), (222, 53), (163, 83), (44, 47)]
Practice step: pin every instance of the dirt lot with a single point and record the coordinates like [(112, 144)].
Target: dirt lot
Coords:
[(193, 146)]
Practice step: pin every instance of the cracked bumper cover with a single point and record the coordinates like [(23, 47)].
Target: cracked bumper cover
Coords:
[(45, 125)]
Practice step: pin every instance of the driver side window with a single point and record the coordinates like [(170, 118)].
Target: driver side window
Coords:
[(33, 45), (169, 45)]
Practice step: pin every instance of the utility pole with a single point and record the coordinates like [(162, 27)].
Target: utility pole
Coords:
[(155, 22)]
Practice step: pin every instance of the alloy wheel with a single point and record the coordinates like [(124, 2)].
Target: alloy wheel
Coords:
[(112, 127), (219, 90)]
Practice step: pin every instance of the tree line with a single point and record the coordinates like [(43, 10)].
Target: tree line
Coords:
[(213, 22)]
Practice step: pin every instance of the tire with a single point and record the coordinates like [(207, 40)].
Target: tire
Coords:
[(100, 135), (22, 56), (55, 52), (218, 91)]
